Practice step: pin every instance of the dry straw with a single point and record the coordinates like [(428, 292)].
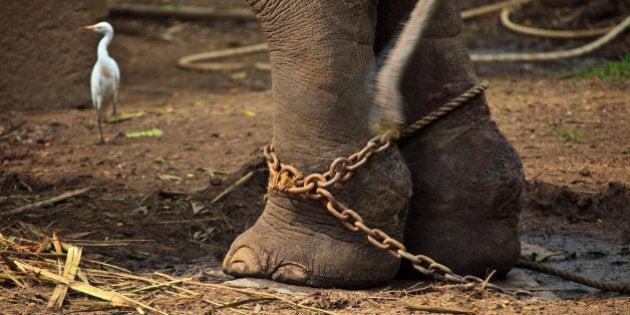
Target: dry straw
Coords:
[(27, 264)]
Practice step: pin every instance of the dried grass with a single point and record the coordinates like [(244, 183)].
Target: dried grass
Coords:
[(39, 272), (49, 262)]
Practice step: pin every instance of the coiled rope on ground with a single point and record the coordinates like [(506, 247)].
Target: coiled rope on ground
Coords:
[(206, 61), (554, 55)]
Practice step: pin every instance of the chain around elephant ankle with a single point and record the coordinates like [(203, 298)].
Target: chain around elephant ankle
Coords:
[(288, 179)]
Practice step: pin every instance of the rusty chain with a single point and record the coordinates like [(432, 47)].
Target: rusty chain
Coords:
[(289, 179)]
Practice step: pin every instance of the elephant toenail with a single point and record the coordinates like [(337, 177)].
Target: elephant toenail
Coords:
[(244, 262), (290, 273)]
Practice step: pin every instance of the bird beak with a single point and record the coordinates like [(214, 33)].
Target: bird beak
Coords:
[(85, 28)]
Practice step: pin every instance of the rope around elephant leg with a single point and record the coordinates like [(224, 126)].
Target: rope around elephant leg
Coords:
[(574, 277), (444, 109)]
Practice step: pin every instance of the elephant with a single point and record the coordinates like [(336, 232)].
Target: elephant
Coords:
[(451, 191)]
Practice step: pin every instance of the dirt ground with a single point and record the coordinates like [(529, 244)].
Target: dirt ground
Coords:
[(149, 204)]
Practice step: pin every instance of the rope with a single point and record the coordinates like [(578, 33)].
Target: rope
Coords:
[(542, 56), (444, 109), (483, 10), (198, 62), (193, 62), (570, 276), (505, 21)]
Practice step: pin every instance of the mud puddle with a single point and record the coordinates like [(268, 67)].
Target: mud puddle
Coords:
[(588, 255)]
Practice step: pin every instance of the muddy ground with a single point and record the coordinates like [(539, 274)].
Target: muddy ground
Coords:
[(572, 137)]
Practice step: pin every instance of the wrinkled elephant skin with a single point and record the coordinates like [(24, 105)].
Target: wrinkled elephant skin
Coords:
[(465, 177)]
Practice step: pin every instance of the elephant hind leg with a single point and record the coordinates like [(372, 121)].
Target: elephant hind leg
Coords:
[(467, 178), (466, 203)]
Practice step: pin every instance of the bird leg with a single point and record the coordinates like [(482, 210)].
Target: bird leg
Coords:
[(120, 133), (100, 129)]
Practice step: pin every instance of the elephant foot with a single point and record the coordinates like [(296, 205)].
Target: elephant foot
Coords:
[(297, 241), (304, 250), (467, 185)]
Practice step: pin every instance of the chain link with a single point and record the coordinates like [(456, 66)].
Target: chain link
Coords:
[(288, 179)]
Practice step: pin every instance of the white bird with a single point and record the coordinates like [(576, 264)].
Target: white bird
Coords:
[(105, 74)]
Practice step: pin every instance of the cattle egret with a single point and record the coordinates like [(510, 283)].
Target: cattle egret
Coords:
[(105, 74)]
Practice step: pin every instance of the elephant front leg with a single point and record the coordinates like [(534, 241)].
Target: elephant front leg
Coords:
[(320, 54)]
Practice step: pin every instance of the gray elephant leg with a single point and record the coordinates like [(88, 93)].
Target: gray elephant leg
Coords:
[(320, 53), (467, 178)]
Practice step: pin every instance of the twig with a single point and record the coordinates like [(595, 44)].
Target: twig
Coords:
[(7, 261), (211, 171), (15, 279), (114, 298), (188, 221), (25, 185), (231, 188), (246, 301), (69, 272), (129, 275), (163, 275), (12, 128), (106, 265), (219, 304), (485, 282), (269, 295), (27, 255), (160, 285), (113, 243), (58, 247), (64, 196), (536, 289), (435, 309), (587, 192)]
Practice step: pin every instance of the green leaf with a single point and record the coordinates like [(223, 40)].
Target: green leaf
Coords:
[(145, 133), (541, 254), (125, 116), (110, 215), (159, 160), (211, 171)]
